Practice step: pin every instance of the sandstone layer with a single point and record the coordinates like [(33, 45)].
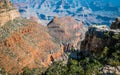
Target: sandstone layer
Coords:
[(24, 42)]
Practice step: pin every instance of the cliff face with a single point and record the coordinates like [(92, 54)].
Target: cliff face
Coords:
[(7, 12), (116, 24), (104, 44), (5, 5), (24, 43), (8, 15), (97, 38), (67, 31)]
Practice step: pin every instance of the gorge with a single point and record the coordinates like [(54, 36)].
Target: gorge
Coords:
[(27, 46)]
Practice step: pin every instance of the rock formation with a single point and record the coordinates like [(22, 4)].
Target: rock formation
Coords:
[(107, 69), (104, 44), (97, 38), (7, 12), (67, 31), (116, 24), (5, 4), (24, 43)]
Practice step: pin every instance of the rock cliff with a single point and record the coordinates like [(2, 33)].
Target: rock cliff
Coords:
[(7, 12), (99, 37), (67, 31), (8, 15), (104, 44), (24, 42), (116, 24)]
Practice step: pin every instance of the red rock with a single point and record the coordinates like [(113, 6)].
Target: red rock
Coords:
[(25, 43)]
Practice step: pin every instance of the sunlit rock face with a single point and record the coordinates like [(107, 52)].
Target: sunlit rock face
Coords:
[(7, 12), (88, 11), (24, 42)]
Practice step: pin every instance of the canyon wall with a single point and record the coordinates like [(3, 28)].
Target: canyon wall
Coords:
[(116, 24), (23, 42), (26, 43), (99, 37), (67, 31), (8, 15)]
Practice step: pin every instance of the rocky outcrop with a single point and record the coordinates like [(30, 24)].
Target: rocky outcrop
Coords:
[(7, 12), (7, 16), (96, 39), (67, 31), (116, 24), (5, 5), (104, 44), (107, 69)]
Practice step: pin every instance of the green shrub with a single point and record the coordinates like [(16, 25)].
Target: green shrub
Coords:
[(116, 36), (3, 71), (27, 71), (107, 34), (114, 62)]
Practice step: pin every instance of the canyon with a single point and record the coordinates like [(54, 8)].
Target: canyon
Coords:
[(25, 42), (88, 11)]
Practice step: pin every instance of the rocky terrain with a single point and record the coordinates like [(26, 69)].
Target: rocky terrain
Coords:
[(116, 24), (98, 37), (27, 43), (7, 12), (105, 43), (67, 31), (87, 11), (24, 42), (107, 69)]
